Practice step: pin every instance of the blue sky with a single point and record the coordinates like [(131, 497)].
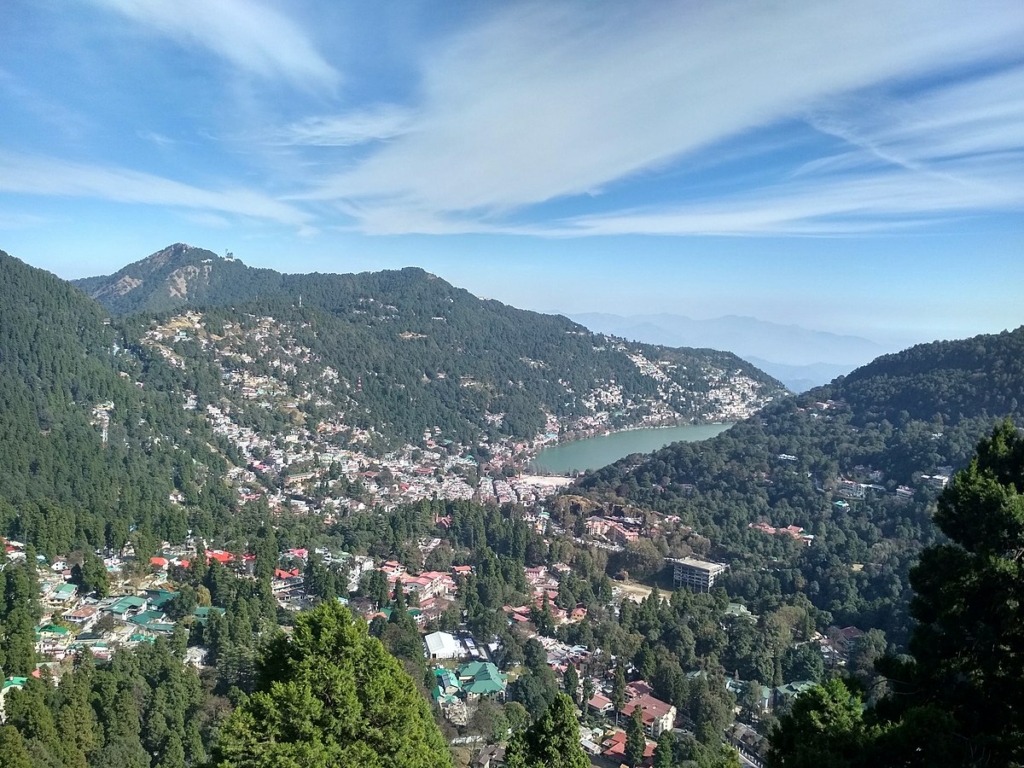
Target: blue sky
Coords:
[(846, 166)]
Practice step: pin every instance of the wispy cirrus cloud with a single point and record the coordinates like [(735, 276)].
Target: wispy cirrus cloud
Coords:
[(35, 175), (347, 129), (10, 221), (251, 35), (973, 118), (851, 205), (953, 150), (545, 103)]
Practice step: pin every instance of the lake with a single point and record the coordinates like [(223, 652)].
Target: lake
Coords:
[(597, 452)]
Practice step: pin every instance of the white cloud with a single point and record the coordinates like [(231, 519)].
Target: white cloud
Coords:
[(553, 101), (859, 204), (350, 129), (249, 34), (205, 219), (49, 176), (974, 118)]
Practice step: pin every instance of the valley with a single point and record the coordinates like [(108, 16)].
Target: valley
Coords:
[(201, 475)]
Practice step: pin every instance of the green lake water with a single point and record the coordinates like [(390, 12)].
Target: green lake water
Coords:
[(597, 452)]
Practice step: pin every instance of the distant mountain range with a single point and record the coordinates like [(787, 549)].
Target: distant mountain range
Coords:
[(798, 357)]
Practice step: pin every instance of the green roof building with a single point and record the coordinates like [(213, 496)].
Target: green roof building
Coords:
[(481, 678), (53, 630), (202, 613), (147, 617), (448, 686), (122, 606), (64, 592), (159, 597), (795, 688)]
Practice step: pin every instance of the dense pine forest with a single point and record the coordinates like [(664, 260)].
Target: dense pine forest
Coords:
[(91, 446)]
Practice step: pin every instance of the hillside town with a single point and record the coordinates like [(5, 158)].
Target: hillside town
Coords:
[(464, 667), (334, 467)]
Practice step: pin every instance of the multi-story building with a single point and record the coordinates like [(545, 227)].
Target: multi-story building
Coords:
[(657, 716), (697, 575)]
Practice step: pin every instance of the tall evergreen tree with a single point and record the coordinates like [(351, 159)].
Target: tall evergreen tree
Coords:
[(553, 741), (331, 695), (968, 645), (636, 742), (619, 690), (571, 682), (13, 752), (664, 756)]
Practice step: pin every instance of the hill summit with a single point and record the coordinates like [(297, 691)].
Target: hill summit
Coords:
[(175, 276)]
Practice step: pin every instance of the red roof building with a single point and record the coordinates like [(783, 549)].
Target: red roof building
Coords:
[(657, 716)]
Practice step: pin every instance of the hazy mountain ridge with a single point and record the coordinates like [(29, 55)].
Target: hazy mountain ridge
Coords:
[(799, 357), (800, 378)]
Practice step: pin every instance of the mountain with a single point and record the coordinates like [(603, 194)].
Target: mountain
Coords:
[(412, 355), (856, 464), (800, 378), (179, 275), (797, 355)]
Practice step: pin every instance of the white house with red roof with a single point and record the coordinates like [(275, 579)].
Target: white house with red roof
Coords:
[(657, 715)]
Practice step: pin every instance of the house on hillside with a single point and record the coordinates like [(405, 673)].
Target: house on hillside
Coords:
[(481, 678), (657, 715), (123, 607), (448, 687)]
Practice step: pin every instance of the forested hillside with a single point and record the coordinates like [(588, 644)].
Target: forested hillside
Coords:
[(414, 353), (88, 451), (957, 700), (176, 276), (858, 465), (100, 464)]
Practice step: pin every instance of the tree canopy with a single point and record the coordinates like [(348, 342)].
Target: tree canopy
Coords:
[(958, 700), (551, 742), (331, 695)]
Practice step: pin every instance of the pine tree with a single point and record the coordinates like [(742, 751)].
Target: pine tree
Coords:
[(331, 695), (663, 753), (619, 690), (571, 682), (636, 741), (13, 752), (968, 645), (553, 741)]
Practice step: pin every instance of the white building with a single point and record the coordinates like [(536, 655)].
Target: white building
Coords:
[(442, 645), (698, 575)]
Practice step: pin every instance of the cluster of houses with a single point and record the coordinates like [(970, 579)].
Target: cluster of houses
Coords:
[(435, 468), (656, 715), (617, 529), (793, 531)]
